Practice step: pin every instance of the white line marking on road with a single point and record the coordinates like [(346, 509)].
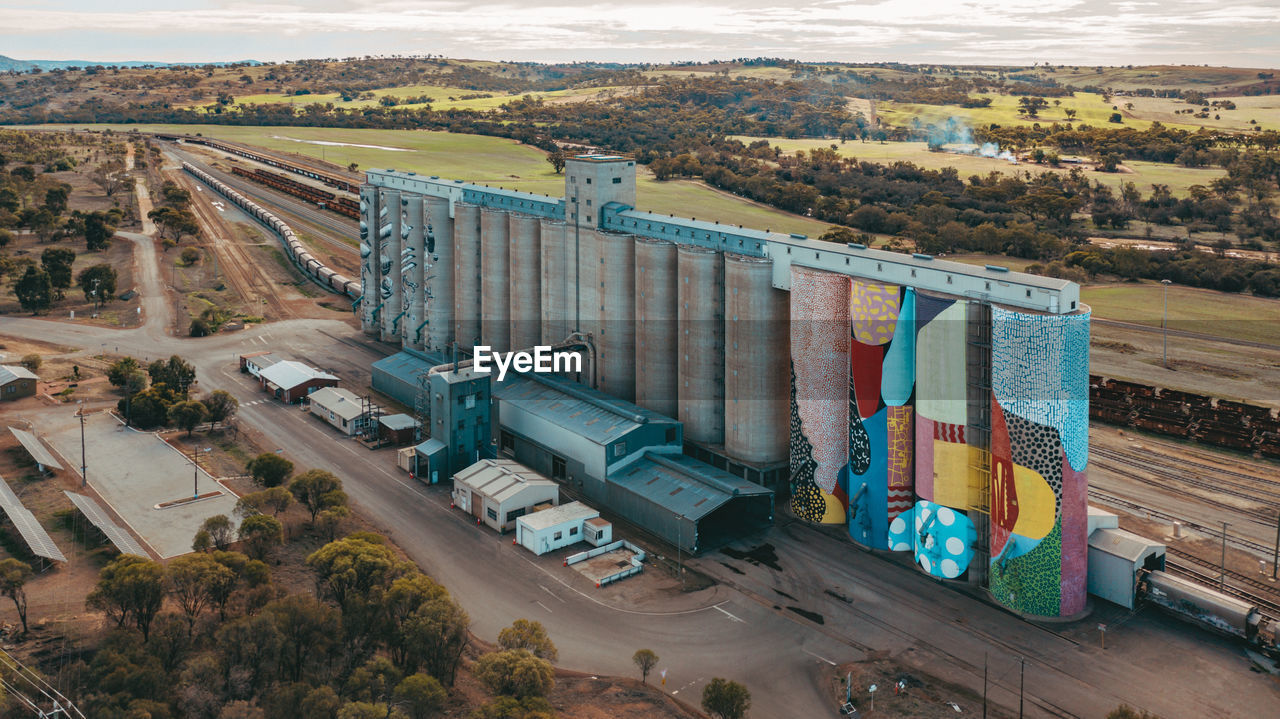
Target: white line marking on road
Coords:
[(548, 591), (828, 661), (727, 614), (543, 606)]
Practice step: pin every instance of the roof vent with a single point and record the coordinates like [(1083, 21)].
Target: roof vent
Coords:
[(997, 268), (856, 246), (921, 256)]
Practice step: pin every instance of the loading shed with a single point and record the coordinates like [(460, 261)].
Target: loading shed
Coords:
[(1117, 559), (397, 429), (497, 492)]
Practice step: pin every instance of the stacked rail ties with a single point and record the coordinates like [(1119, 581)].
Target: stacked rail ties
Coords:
[(325, 199), (296, 251), (932, 407)]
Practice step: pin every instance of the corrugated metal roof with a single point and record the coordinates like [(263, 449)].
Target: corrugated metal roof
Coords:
[(500, 479), (601, 419), (341, 402), (1125, 545), (37, 451), (9, 373), (289, 374), (430, 447), (550, 517), (395, 422), (682, 484)]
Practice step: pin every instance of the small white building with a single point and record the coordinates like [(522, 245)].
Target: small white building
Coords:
[(551, 529), (1117, 559), (340, 408), (500, 491)]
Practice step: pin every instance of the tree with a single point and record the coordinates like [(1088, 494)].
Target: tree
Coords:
[(435, 637), (317, 489), (369, 710), (57, 262), (557, 161), (273, 499), (109, 176), (120, 370), (34, 290), (188, 414), (646, 660), (221, 406), (98, 231), (515, 672), (250, 645), (269, 469), (174, 223), (220, 530), (1116, 117), (260, 533), (421, 695), (193, 580), (98, 283), (55, 199), (176, 373), (190, 256), (1070, 113), (13, 580), (530, 635), (129, 587), (725, 699), (307, 629), (1124, 711), (202, 542), (351, 567), (31, 362)]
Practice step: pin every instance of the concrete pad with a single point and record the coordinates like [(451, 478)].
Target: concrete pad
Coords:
[(133, 472), (605, 565)]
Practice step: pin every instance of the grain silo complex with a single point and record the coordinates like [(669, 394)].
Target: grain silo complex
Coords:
[(926, 406)]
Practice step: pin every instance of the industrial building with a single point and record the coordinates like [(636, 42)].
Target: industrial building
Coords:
[(497, 492), (290, 381), (926, 406), (397, 430), (340, 408), (17, 382)]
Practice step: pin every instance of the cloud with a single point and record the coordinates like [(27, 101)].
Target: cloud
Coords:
[(1016, 31)]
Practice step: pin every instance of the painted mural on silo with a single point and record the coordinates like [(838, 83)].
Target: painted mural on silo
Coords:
[(882, 373), (819, 394), (1039, 450), (937, 528)]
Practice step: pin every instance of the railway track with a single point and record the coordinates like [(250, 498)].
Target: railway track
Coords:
[(285, 204), (1104, 497), (1239, 482), (240, 270), (1261, 594)]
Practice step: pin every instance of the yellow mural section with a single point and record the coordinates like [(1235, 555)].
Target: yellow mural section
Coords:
[(1036, 503), (957, 482)]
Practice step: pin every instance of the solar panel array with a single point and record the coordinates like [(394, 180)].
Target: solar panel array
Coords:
[(118, 536), (38, 452), (25, 522)]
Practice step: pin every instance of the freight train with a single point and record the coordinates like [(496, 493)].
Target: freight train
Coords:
[(334, 181), (1211, 609), (1207, 420), (323, 198), (297, 252)]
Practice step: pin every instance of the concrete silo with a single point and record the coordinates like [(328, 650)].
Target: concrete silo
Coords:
[(656, 326), (700, 343), (757, 354)]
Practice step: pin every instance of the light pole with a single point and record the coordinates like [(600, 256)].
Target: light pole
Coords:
[(195, 472), (1164, 324)]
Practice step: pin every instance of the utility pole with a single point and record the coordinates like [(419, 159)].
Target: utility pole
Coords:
[(84, 470), (1022, 683), (680, 549), (1222, 567), (1164, 324), (1276, 556), (984, 685)]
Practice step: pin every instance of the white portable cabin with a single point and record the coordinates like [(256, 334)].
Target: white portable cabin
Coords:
[(555, 528)]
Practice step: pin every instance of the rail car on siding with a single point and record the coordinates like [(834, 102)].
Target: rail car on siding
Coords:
[(1211, 609), (331, 180), (307, 262)]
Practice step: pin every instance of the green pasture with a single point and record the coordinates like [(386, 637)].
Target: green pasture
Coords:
[(1265, 109), (481, 159), (439, 97), (1090, 109), (1223, 314), (1144, 174)]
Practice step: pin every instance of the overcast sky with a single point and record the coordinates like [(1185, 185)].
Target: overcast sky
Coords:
[(1078, 32)]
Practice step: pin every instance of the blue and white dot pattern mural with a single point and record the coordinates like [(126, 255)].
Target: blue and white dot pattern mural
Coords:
[(941, 538)]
